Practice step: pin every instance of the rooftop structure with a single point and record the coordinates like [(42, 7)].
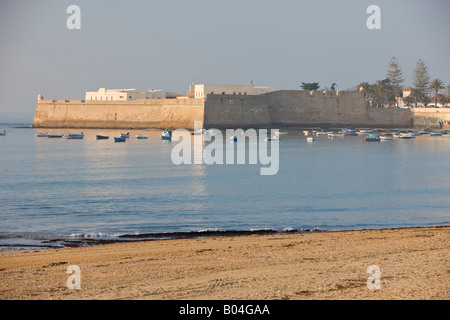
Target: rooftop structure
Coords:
[(125, 94), (201, 90)]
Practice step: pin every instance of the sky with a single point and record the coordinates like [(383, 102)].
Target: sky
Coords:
[(167, 44)]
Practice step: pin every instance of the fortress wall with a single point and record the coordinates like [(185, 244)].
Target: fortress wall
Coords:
[(143, 113), (430, 117), (331, 109), (236, 111)]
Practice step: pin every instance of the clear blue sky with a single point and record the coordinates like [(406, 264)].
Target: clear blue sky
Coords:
[(167, 44)]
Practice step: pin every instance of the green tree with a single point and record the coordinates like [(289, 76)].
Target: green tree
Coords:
[(395, 76), (417, 95), (443, 100), (408, 100), (310, 86), (333, 87), (364, 88), (421, 77), (381, 93), (436, 85)]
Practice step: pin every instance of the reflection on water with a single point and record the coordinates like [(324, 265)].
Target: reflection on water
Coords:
[(57, 187)]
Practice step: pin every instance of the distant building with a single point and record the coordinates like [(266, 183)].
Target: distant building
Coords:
[(125, 94), (201, 90)]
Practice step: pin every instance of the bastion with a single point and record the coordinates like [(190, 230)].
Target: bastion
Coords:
[(276, 109)]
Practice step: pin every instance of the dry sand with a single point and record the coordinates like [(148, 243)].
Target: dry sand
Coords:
[(414, 264)]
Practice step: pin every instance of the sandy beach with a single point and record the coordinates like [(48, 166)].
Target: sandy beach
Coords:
[(414, 264)]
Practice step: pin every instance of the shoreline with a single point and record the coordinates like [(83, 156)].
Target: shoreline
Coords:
[(61, 242), (317, 265)]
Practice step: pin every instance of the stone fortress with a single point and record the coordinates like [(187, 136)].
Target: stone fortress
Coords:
[(220, 107)]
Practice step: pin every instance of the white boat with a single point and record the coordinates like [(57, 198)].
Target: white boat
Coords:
[(365, 131), (138, 136), (233, 139), (3, 133), (306, 132), (386, 136), (322, 133), (435, 134), (199, 132), (75, 136), (334, 135), (166, 135), (272, 138), (406, 136), (125, 135), (310, 139), (41, 134), (280, 133)]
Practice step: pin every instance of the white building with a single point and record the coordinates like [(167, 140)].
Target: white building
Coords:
[(201, 90), (125, 94)]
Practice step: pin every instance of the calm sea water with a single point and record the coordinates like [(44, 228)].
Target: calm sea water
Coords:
[(57, 192)]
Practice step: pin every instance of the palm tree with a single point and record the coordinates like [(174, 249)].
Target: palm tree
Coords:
[(408, 100), (333, 86), (436, 85), (364, 87)]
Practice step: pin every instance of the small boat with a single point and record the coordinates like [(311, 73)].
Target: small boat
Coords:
[(120, 139), (166, 135), (322, 133), (75, 135), (198, 132), (334, 135), (3, 133), (435, 134), (310, 139), (55, 135), (125, 135), (393, 130), (280, 133), (100, 137), (234, 139), (424, 132), (364, 131), (306, 132), (138, 136), (373, 137), (406, 136), (272, 138), (386, 136), (41, 134)]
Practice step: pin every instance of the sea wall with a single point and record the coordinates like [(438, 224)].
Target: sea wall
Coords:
[(430, 117), (143, 113), (285, 108)]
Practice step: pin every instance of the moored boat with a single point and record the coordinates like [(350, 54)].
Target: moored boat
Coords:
[(386, 136), (120, 139), (435, 134), (3, 133), (138, 136), (55, 135), (75, 136), (373, 137), (100, 137), (41, 134), (234, 138), (125, 135), (310, 139), (166, 135)]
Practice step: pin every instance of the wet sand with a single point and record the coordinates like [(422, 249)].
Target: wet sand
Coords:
[(414, 264)]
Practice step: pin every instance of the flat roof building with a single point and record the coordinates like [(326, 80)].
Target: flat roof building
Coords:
[(201, 90), (125, 94)]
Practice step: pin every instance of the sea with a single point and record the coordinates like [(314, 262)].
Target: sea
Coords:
[(57, 193)]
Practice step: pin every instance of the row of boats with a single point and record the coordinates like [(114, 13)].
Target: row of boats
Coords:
[(374, 134), (370, 134)]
